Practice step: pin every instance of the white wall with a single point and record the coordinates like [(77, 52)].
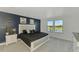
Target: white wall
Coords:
[(71, 23), (71, 19)]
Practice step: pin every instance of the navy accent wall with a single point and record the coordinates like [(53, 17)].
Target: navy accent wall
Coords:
[(5, 18), (37, 25), (14, 20)]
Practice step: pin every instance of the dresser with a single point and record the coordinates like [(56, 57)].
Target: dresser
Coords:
[(11, 39)]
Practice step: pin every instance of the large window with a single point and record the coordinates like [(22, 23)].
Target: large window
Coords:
[(55, 25)]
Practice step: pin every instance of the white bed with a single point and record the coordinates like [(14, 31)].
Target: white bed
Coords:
[(37, 43)]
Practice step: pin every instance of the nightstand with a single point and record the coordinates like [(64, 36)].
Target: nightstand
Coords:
[(11, 39)]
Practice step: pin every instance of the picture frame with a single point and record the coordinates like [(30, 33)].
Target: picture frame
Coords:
[(31, 21), (22, 20)]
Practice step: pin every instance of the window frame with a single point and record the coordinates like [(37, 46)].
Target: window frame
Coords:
[(55, 26)]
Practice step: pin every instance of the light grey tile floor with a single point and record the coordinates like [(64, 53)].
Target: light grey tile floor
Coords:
[(53, 45), (15, 47), (56, 45)]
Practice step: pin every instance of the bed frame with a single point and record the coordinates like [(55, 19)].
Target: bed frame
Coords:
[(37, 43)]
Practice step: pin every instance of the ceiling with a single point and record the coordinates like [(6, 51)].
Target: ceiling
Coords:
[(35, 12)]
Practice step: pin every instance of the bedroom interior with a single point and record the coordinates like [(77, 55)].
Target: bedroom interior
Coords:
[(18, 27), (39, 29)]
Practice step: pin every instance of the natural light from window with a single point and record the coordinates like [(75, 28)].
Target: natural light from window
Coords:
[(55, 25)]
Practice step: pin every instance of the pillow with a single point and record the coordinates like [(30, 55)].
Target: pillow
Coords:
[(24, 32), (31, 31), (28, 31)]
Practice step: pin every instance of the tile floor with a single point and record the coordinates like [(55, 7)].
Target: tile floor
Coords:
[(53, 45)]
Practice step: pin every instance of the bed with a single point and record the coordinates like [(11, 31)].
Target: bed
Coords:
[(34, 40), (31, 35)]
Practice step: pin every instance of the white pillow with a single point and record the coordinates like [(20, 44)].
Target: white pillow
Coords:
[(28, 31)]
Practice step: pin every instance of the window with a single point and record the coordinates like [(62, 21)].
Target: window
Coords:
[(50, 26), (58, 25), (55, 25)]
